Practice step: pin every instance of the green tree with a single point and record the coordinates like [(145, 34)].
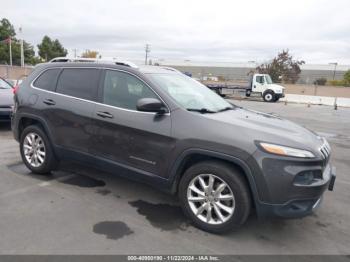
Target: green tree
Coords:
[(283, 66), (7, 30), (49, 49), (347, 77), (89, 54)]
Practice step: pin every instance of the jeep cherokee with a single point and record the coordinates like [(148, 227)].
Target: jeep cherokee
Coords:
[(159, 126)]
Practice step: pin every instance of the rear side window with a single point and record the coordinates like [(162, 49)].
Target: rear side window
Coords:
[(79, 82), (47, 80)]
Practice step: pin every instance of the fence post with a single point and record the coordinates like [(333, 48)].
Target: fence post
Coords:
[(335, 104)]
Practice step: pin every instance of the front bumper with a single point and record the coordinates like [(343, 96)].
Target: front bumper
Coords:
[(298, 207), (284, 189)]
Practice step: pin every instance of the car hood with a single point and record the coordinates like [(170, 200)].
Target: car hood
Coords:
[(6, 97), (252, 125), (276, 87)]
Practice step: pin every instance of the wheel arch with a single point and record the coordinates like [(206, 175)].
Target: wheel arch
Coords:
[(268, 91), (193, 156), (26, 120)]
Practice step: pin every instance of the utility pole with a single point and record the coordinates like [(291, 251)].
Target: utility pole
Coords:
[(148, 50), (22, 51), (75, 52)]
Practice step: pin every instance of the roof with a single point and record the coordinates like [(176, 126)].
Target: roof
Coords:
[(142, 69)]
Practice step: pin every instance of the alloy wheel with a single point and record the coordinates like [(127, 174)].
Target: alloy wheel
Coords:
[(34, 149), (210, 199)]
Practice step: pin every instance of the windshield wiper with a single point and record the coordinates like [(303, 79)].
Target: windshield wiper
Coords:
[(201, 110), (226, 109)]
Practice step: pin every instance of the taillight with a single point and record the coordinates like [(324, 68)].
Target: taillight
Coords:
[(15, 89)]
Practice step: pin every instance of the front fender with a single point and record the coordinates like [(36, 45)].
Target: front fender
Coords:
[(175, 173)]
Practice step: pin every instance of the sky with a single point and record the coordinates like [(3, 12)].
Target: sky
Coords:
[(316, 31)]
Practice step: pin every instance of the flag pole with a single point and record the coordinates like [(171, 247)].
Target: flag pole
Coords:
[(10, 50)]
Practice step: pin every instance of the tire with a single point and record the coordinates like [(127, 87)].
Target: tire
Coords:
[(235, 185), (247, 93), (269, 96), (38, 166)]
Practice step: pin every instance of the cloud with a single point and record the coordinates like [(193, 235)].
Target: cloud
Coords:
[(225, 30)]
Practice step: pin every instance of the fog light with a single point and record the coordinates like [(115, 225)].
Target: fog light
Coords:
[(307, 177)]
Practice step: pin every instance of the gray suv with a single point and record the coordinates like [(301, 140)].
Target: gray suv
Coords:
[(159, 126)]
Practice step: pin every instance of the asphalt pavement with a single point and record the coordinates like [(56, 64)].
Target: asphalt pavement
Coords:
[(78, 210)]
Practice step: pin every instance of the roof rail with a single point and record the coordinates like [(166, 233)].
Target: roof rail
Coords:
[(170, 69), (92, 60)]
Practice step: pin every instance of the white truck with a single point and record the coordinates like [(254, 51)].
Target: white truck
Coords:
[(259, 85)]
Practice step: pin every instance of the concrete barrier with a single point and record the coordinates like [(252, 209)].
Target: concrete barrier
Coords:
[(317, 100)]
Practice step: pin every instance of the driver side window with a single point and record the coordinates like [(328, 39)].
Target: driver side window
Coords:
[(259, 79), (124, 90)]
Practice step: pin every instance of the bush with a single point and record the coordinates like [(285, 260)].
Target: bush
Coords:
[(320, 81), (338, 83)]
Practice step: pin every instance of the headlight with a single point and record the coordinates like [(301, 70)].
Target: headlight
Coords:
[(286, 151)]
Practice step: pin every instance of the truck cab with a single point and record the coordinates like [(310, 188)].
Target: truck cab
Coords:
[(262, 84)]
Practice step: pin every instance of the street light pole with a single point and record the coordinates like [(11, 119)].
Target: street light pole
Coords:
[(10, 43), (335, 68), (147, 49), (22, 51)]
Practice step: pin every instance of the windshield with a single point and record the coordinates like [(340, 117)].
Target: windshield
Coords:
[(268, 79), (190, 94), (4, 84)]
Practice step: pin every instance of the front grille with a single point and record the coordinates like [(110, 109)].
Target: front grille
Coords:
[(325, 150)]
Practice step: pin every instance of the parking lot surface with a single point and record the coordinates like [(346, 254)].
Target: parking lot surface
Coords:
[(78, 210)]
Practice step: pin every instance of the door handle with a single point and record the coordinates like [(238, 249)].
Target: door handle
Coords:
[(104, 114), (49, 102)]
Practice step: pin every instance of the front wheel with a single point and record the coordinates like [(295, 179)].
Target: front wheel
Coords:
[(269, 96), (215, 196)]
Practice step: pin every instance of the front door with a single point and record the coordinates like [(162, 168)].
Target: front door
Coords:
[(126, 136), (258, 85)]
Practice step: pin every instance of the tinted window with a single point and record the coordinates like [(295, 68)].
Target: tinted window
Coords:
[(81, 83), (47, 80), (124, 90)]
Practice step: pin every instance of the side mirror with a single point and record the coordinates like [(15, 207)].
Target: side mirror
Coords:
[(151, 105)]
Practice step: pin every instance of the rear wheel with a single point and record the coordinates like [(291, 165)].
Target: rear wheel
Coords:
[(36, 150), (215, 196)]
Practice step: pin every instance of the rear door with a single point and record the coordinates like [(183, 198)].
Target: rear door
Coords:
[(126, 136), (70, 107)]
